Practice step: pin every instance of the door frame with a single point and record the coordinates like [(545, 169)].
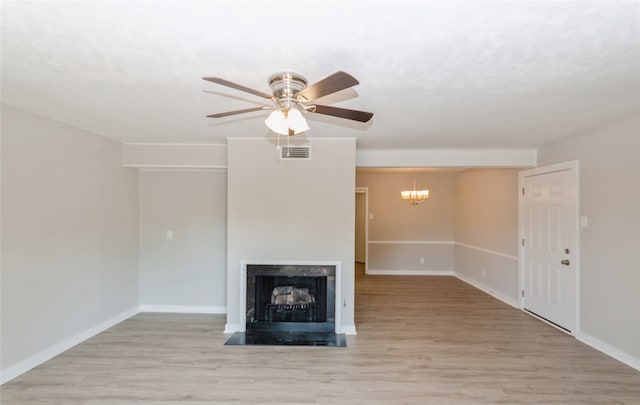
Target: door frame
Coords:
[(574, 167), (365, 191)]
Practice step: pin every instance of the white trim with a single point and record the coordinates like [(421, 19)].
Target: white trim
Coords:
[(609, 350), (243, 287), (173, 144), (493, 252), (62, 346), (232, 328), (413, 242), (199, 167), (558, 167), (487, 290), (347, 330), (446, 157), (296, 139), (185, 309), (521, 269), (443, 242), (411, 272)]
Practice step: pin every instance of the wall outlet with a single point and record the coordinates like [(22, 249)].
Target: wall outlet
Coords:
[(169, 235), (484, 272), (422, 260), (370, 216)]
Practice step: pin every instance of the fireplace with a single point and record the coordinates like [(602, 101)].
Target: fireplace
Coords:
[(290, 298)]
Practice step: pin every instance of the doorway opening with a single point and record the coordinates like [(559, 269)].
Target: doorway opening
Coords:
[(361, 229)]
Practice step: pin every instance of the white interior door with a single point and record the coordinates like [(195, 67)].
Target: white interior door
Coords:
[(550, 242)]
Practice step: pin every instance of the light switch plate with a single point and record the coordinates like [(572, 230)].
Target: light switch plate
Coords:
[(584, 221)]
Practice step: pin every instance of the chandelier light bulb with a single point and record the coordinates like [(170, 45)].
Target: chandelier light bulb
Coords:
[(414, 196)]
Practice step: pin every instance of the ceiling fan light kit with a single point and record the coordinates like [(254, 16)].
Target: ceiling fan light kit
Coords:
[(288, 121), (290, 95)]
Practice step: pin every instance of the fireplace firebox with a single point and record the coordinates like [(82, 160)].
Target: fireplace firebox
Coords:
[(290, 298)]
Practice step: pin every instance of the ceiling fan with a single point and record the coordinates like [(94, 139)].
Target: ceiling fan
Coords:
[(290, 94)]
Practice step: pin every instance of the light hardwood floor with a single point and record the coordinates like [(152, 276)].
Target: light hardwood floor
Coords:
[(420, 340)]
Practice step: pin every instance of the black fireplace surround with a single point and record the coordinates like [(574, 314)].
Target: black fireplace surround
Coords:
[(290, 298)]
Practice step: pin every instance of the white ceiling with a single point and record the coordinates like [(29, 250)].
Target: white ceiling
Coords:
[(436, 74)]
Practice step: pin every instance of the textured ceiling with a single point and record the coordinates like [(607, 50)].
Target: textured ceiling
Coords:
[(436, 74)]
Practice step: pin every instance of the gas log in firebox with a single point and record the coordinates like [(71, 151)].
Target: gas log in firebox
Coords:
[(296, 298)]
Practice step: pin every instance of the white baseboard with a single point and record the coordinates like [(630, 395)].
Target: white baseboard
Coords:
[(32, 361), (410, 272), (185, 309), (609, 350), (488, 290), (233, 328), (347, 330)]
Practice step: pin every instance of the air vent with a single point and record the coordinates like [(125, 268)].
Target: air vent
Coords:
[(294, 152)]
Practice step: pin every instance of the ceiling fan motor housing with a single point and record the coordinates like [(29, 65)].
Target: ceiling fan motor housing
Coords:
[(286, 85)]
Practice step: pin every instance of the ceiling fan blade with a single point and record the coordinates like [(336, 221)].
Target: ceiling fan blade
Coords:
[(331, 84), (236, 86), (355, 115), (246, 110)]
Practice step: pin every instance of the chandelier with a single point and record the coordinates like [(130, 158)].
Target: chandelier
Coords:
[(414, 196)]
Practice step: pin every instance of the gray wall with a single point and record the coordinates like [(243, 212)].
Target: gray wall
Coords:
[(188, 272), (609, 255), (401, 234), (69, 234), (486, 229), (290, 210)]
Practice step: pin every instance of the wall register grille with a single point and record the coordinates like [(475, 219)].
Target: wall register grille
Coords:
[(295, 153)]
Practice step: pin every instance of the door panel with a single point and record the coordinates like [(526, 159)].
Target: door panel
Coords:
[(550, 241)]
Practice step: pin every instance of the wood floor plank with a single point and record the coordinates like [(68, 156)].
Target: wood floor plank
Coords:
[(420, 340)]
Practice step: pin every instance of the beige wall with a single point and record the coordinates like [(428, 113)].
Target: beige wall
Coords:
[(400, 235), (188, 272), (487, 209), (486, 228), (290, 210), (394, 219), (609, 256), (69, 236)]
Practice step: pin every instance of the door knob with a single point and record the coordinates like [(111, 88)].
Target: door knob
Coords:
[(566, 262)]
